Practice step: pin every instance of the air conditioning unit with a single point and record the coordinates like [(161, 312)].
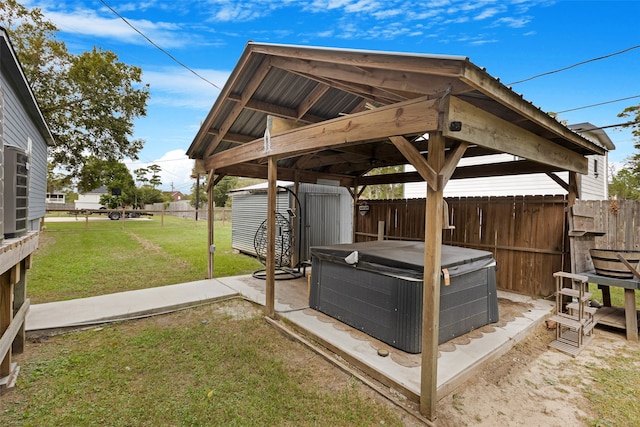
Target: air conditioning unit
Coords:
[(16, 191)]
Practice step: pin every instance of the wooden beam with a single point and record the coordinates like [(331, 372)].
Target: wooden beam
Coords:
[(518, 167), (477, 78), (431, 284), (281, 111), (6, 317), (443, 66), (232, 137), (252, 170), (414, 157), (277, 125), (485, 129), (271, 238), (411, 117), (561, 182), (451, 162), (12, 331)]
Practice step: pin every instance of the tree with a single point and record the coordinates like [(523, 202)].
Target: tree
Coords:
[(114, 176), (147, 192), (57, 182), (88, 100), (222, 188), (625, 185), (155, 175), (384, 191), (199, 192), (634, 124)]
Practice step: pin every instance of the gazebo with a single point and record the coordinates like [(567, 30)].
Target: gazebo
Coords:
[(305, 114)]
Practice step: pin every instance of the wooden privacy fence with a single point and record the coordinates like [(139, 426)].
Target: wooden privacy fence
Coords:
[(526, 234), (619, 220)]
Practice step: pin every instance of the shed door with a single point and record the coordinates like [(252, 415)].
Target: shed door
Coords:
[(322, 216)]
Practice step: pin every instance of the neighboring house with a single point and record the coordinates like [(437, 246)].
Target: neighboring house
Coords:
[(56, 198), (24, 136), (176, 196), (90, 200), (593, 186)]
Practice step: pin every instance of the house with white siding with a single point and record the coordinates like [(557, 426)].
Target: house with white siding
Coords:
[(90, 199), (592, 186)]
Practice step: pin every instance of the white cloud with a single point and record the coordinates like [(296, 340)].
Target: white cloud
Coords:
[(514, 22), (487, 13), (179, 87), (88, 22), (175, 173)]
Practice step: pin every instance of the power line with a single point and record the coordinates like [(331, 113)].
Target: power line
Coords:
[(158, 47), (576, 65), (619, 125), (598, 104)]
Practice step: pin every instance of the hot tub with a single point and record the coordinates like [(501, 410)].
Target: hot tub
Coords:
[(381, 293)]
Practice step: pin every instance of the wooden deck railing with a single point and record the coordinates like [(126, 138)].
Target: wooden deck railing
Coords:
[(15, 259)]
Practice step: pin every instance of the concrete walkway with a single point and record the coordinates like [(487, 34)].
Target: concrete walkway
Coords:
[(123, 305), (458, 359)]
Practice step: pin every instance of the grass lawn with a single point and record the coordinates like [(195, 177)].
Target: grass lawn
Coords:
[(215, 365), (218, 364), (76, 262)]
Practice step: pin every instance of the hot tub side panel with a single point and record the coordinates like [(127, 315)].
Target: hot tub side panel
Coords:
[(468, 303), (387, 308)]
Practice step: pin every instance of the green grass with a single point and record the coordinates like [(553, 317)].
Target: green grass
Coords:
[(198, 367), (76, 262), (614, 393), (617, 295), (218, 364)]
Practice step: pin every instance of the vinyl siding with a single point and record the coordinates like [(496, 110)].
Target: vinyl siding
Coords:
[(18, 130), (592, 188)]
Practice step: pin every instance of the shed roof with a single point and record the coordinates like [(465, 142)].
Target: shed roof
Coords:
[(331, 92)]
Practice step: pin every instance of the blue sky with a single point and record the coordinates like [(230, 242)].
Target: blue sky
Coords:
[(512, 39)]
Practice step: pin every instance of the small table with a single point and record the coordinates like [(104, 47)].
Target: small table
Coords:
[(630, 312)]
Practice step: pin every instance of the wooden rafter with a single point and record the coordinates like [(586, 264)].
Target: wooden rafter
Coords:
[(311, 99), (259, 75), (398, 84)]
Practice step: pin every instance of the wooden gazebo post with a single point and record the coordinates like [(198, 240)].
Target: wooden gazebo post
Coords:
[(271, 236), (431, 287), (210, 221)]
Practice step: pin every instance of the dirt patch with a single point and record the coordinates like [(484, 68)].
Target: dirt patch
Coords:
[(531, 385), (146, 244)]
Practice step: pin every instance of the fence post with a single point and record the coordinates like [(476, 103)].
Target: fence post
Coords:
[(380, 230)]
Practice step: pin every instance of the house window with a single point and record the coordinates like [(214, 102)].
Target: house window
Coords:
[(595, 168)]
